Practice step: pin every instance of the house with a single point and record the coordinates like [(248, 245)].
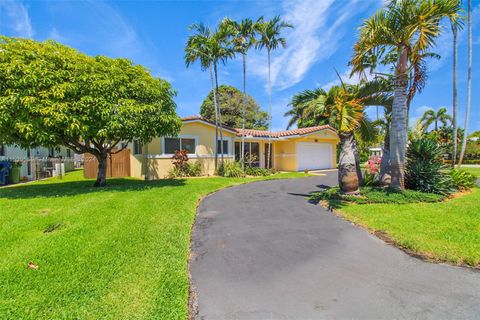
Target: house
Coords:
[(34, 159), (292, 150)]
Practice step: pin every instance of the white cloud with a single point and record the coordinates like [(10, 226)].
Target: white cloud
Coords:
[(14, 17), (318, 30)]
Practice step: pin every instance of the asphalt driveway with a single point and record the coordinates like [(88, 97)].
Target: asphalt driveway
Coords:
[(262, 251)]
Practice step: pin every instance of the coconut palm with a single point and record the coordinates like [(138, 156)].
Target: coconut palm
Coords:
[(405, 30), (343, 108), (270, 39), (469, 83), (210, 48), (430, 117), (455, 97), (243, 38)]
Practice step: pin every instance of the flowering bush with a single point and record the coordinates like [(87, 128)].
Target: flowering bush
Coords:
[(373, 164)]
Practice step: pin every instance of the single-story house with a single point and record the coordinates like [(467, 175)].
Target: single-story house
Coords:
[(292, 150), (35, 159)]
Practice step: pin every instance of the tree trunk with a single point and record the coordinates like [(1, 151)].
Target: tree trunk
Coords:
[(219, 114), (102, 170), (469, 84), (244, 111), (385, 174), (216, 116), (348, 179), (269, 112), (398, 130), (455, 98)]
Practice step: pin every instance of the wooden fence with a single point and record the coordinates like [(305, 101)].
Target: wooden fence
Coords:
[(118, 165)]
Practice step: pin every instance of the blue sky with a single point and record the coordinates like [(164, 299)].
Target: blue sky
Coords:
[(153, 33)]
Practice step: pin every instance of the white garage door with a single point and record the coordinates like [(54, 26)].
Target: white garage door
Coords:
[(314, 156)]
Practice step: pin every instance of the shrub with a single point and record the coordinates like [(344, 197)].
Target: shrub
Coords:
[(462, 180), (231, 169), (255, 171), (374, 195), (425, 170), (183, 168)]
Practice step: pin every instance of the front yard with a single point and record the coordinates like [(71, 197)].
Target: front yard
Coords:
[(445, 231), (115, 253)]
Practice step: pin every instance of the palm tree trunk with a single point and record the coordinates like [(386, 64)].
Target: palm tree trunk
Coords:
[(398, 132), (348, 179), (385, 175), (269, 112), (469, 84), (216, 117), (219, 115), (455, 98), (244, 111)]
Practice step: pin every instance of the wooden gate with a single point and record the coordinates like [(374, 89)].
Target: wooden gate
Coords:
[(118, 165)]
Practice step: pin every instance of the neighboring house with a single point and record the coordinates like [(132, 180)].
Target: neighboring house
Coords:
[(15, 153), (293, 150)]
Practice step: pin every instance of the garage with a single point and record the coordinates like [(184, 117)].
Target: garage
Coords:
[(313, 156)]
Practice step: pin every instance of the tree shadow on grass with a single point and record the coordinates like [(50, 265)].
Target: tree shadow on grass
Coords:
[(50, 189)]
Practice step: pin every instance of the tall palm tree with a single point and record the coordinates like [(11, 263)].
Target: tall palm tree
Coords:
[(243, 38), (343, 108), (469, 84), (405, 30), (455, 97), (210, 48), (430, 117), (270, 38), (198, 48)]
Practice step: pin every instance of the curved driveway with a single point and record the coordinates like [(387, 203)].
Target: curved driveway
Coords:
[(262, 251)]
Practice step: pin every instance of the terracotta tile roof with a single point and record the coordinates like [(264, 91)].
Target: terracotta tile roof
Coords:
[(265, 133), (283, 133)]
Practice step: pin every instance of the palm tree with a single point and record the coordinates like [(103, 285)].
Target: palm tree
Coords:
[(405, 30), (469, 84), (243, 38), (210, 48), (198, 48), (430, 117), (455, 97), (343, 108), (269, 32)]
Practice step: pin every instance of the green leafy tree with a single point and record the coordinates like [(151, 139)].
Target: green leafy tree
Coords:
[(53, 95), (343, 108), (401, 35), (231, 100)]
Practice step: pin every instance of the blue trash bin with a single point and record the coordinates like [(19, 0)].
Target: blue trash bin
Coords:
[(4, 169)]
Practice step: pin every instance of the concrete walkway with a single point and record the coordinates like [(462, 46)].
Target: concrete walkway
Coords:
[(262, 251)]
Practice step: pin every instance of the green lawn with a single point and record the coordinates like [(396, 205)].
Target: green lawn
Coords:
[(446, 231), (473, 170), (115, 253)]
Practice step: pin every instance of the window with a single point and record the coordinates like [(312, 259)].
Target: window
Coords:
[(251, 153), (174, 144), (2, 150), (69, 153), (51, 152), (137, 147), (225, 147)]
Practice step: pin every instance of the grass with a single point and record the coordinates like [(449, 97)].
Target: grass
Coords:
[(368, 195), (445, 231), (114, 253), (473, 170)]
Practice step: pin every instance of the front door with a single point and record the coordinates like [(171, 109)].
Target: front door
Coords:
[(268, 164)]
